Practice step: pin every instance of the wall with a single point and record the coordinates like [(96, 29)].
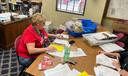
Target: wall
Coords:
[(108, 24), (94, 11), (36, 1)]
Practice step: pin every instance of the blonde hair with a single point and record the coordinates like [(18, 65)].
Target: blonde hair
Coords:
[(38, 18)]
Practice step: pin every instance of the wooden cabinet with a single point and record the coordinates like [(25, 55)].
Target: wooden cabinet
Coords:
[(120, 26), (10, 30)]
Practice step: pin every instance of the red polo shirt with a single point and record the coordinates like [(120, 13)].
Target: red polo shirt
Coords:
[(30, 36)]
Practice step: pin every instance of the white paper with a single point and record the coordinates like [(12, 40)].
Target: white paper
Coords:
[(6, 16), (104, 60), (73, 72), (111, 47), (65, 36), (77, 53), (61, 41), (59, 70), (105, 71)]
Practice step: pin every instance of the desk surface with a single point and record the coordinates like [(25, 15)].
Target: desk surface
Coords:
[(85, 63)]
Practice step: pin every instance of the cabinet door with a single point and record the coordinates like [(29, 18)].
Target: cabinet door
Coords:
[(10, 31)]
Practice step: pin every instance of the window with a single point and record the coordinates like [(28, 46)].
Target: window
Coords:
[(71, 6)]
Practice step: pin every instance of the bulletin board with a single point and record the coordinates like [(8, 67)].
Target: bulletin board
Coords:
[(118, 9)]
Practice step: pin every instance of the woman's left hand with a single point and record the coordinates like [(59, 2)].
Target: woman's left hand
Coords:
[(59, 36), (116, 64)]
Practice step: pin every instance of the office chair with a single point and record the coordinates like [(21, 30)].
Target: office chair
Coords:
[(16, 44), (120, 43), (120, 35)]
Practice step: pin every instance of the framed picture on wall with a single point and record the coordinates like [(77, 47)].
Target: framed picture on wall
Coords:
[(71, 6)]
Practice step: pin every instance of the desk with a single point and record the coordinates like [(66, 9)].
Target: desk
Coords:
[(10, 30), (85, 63)]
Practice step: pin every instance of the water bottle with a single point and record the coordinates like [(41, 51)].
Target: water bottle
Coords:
[(66, 53)]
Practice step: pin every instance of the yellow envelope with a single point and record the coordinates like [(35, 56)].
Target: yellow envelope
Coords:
[(59, 48)]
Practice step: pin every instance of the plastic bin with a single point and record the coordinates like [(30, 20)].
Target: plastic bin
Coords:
[(87, 26)]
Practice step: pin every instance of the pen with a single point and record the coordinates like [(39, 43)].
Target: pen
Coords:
[(105, 35), (50, 55)]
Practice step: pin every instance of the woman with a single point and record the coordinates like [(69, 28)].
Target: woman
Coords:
[(121, 63), (32, 40)]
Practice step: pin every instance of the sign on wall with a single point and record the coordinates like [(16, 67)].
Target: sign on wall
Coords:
[(118, 9)]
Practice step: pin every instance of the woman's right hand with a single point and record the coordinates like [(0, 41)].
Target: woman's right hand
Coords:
[(113, 55), (51, 48), (116, 63)]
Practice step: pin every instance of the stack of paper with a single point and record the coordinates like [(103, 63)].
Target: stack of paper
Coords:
[(110, 35), (77, 53), (111, 47), (105, 71), (61, 70), (104, 35), (61, 41), (104, 60), (99, 38)]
